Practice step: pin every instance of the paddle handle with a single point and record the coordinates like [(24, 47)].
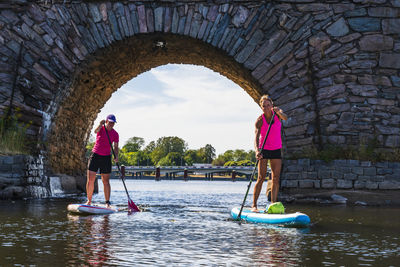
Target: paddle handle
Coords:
[(255, 166)]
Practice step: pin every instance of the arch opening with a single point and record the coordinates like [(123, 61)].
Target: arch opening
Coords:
[(110, 68), (188, 101)]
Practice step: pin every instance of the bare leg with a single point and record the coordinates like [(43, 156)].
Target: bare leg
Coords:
[(105, 177), (276, 165), (269, 188), (262, 172), (91, 177)]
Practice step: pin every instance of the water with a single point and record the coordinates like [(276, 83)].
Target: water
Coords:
[(188, 224)]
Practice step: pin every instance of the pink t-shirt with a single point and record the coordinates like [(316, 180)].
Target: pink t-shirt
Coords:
[(274, 140), (102, 145)]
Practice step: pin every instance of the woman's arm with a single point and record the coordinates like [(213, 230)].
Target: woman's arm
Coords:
[(280, 113), (258, 125), (99, 127), (116, 151)]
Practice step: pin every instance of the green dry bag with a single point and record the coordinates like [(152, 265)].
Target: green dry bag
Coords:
[(276, 208)]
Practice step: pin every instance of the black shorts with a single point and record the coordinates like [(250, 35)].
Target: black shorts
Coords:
[(97, 161), (271, 154)]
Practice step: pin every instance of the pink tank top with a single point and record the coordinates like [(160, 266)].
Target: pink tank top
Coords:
[(274, 140), (102, 145)]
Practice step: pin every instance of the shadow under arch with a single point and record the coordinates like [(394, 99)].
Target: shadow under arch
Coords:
[(105, 71)]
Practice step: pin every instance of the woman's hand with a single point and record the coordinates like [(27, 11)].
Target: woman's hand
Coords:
[(258, 155), (280, 113), (277, 110), (102, 122)]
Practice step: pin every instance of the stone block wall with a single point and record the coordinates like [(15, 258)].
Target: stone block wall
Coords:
[(332, 66), (22, 176), (340, 174)]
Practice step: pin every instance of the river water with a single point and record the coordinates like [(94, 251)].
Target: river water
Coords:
[(189, 224)]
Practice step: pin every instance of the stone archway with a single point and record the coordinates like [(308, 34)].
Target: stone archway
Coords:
[(112, 67), (334, 67)]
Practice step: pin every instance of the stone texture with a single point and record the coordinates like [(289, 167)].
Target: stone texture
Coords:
[(376, 42), (338, 28), (382, 12), (344, 184), (391, 26), (389, 60), (365, 24)]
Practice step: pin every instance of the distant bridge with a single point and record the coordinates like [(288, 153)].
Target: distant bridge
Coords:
[(170, 172)]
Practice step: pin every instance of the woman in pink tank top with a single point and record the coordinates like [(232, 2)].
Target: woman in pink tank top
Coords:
[(271, 150), (100, 158)]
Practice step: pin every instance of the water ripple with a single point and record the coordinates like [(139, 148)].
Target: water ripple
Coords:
[(188, 224)]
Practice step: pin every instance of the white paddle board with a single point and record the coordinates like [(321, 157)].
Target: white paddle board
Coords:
[(91, 209)]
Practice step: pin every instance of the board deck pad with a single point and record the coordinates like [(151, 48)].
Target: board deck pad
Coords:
[(91, 209), (287, 219)]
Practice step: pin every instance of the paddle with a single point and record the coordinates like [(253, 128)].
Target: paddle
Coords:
[(131, 205), (254, 170)]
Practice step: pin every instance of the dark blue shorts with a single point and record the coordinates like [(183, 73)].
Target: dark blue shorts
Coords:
[(97, 162), (271, 154)]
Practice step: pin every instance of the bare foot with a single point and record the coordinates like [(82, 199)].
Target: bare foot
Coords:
[(254, 209), (89, 203)]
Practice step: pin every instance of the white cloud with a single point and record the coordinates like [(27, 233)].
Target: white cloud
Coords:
[(191, 102)]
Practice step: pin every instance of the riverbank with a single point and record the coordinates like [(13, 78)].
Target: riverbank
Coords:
[(344, 197)]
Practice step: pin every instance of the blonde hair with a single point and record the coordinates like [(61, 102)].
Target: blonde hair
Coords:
[(265, 97)]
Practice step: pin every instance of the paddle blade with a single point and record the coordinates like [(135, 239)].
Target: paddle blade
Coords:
[(132, 206)]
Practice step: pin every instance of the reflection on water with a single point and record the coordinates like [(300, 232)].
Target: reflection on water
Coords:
[(188, 223), (279, 246), (89, 235)]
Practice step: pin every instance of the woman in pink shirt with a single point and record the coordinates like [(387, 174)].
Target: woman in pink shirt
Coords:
[(101, 158), (271, 150)]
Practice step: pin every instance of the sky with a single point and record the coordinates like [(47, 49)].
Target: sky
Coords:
[(192, 102)]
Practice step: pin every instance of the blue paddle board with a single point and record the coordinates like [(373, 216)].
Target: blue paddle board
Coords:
[(91, 209), (288, 219)]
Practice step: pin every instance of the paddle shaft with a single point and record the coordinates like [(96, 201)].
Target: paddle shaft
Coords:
[(255, 167), (122, 176)]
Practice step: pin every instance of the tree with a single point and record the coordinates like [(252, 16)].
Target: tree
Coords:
[(172, 159), (134, 144), (207, 153), (219, 161), (192, 156), (234, 156), (239, 154), (138, 158), (165, 145), (150, 147)]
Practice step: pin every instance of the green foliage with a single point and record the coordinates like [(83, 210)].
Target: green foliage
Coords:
[(234, 156), (166, 145), (139, 158), (13, 139), (192, 156), (207, 154), (150, 147), (134, 144), (245, 162), (172, 159), (89, 146)]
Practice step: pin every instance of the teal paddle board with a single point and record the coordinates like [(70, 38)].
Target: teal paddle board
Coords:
[(296, 219)]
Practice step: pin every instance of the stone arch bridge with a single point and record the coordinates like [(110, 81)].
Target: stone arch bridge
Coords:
[(333, 66)]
